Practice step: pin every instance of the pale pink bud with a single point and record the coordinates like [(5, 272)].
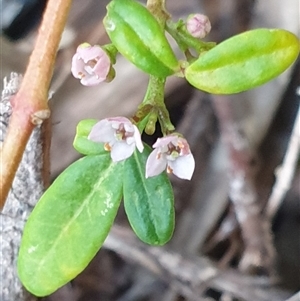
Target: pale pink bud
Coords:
[(119, 136), (198, 25), (90, 64), (172, 153)]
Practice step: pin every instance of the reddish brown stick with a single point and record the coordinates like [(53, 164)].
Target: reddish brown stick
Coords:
[(30, 104)]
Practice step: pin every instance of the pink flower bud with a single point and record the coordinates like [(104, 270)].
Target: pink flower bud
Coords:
[(198, 25), (90, 64), (119, 136), (172, 153)]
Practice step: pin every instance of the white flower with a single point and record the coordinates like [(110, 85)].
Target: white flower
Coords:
[(119, 136), (90, 64), (171, 152)]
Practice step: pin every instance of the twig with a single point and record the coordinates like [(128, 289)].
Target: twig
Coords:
[(30, 106), (285, 172), (259, 250), (189, 276)]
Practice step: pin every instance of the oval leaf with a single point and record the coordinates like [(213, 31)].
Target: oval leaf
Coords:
[(69, 224), (244, 61), (149, 203), (81, 142), (138, 37)]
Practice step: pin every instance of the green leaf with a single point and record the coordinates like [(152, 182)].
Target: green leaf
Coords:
[(81, 142), (139, 37), (149, 203), (244, 61), (69, 224)]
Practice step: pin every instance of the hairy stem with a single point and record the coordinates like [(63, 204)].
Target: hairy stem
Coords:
[(30, 104)]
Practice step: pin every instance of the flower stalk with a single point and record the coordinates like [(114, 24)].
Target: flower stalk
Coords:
[(153, 107), (183, 38)]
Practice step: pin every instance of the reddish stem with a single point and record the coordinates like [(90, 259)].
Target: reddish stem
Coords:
[(30, 104)]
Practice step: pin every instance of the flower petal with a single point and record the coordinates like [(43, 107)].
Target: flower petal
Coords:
[(91, 80), (102, 131), (77, 67), (117, 120), (102, 67), (184, 146), (138, 140), (183, 167), (121, 151), (88, 53), (121, 135), (164, 141), (156, 164)]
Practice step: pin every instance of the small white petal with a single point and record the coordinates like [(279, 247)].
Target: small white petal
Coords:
[(128, 126), (89, 69), (155, 164), (164, 141), (115, 124), (90, 80), (183, 167), (88, 52), (121, 151), (130, 140), (102, 132), (138, 140), (77, 68), (117, 120)]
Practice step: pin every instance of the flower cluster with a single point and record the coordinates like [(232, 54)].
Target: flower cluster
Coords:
[(121, 137), (91, 64)]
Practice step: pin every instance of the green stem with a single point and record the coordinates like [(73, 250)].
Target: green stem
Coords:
[(112, 51), (153, 107), (184, 39), (155, 91)]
